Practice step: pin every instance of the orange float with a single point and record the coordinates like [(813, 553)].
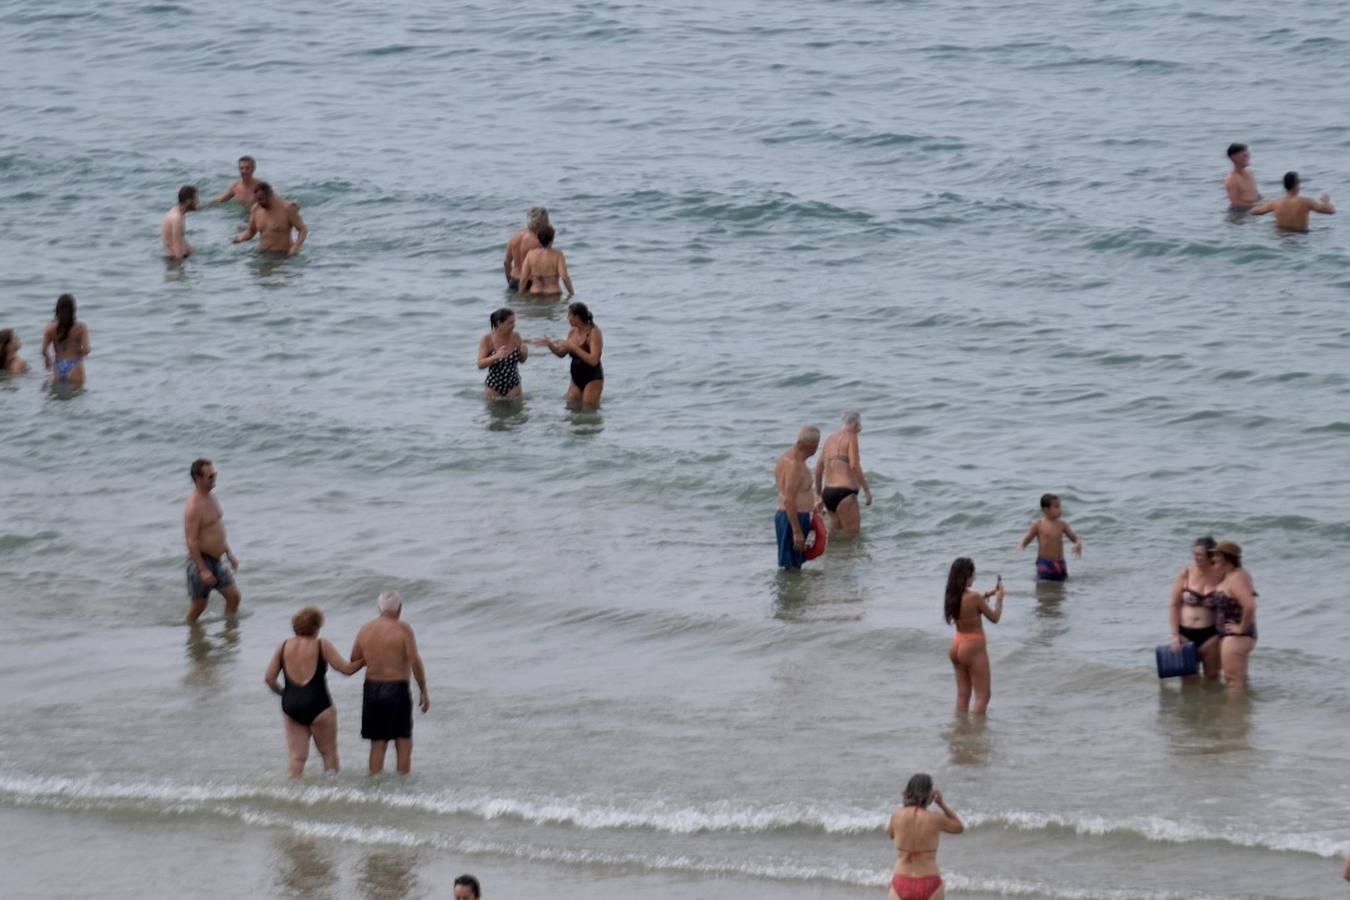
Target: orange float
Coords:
[(819, 537)]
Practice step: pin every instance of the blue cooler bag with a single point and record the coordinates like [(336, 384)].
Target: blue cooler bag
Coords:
[(1175, 663)]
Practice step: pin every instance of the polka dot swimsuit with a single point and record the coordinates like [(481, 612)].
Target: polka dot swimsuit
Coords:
[(504, 375)]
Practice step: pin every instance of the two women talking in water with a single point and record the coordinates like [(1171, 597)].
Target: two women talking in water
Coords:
[(502, 350), (1214, 607)]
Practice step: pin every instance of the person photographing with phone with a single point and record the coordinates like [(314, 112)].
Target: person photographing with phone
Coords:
[(967, 609), (916, 831)]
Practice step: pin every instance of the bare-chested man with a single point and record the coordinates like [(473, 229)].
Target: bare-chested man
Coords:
[(273, 218), (839, 476), (204, 528), (521, 243), (796, 499), (242, 191), (173, 231), (390, 652), (1240, 184), (1291, 210)]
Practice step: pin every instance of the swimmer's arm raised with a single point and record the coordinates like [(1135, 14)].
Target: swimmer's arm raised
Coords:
[(1322, 205), (274, 669), (994, 613), (1262, 208), (299, 224), (225, 197), (951, 822)]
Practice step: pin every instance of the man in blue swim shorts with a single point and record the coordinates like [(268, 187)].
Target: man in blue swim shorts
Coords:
[(796, 499)]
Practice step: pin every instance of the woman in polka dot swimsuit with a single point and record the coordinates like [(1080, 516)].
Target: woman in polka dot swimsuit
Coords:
[(501, 351)]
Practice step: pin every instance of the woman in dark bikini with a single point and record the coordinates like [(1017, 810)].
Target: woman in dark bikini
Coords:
[(68, 339), (1234, 614), (1192, 609), (839, 476), (916, 831), (967, 608), (544, 271), (10, 363), (584, 344), (501, 351), (307, 709)]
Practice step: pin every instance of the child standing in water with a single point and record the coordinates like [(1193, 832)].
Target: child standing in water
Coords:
[(1048, 532)]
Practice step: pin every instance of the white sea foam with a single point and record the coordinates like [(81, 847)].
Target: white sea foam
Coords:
[(723, 816)]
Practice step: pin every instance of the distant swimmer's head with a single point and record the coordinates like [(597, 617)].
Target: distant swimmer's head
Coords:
[(307, 622), (579, 314), (203, 473), (959, 577), (852, 420), (502, 317), (1203, 550), (919, 791), (263, 194), (187, 197), (247, 166), (545, 234), (9, 345), (467, 888), (390, 603), (1239, 154), (1228, 554), (1050, 505), (809, 439), (1291, 181), (536, 218), (65, 316)]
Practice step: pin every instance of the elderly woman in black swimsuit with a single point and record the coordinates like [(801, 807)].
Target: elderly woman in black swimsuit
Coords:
[(307, 709), (1234, 614), (501, 351), (584, 344), (1192, 609), (839, 476)]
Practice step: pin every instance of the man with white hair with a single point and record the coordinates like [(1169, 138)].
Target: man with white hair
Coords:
[(390, 651), (521, 243)]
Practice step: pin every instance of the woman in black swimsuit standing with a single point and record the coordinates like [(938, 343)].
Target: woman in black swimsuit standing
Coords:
[(307, 709), (1192, 610), (584, 344), (839, 476)]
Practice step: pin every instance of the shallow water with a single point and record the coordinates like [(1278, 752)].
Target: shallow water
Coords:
[(997, 231)]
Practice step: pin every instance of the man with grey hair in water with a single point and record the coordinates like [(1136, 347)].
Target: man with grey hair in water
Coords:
[(390, 652), (521, 243), (796, 499)]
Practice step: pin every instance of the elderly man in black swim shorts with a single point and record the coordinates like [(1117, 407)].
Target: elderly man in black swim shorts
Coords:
[(390, 652)]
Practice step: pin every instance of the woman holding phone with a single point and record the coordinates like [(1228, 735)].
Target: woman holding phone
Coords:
[(967, 609)]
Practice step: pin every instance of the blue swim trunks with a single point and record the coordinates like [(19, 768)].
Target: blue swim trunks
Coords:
[(789, 558), (1051, 569)]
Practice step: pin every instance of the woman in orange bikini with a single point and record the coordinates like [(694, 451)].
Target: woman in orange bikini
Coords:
[(967, 608), (916, 832)]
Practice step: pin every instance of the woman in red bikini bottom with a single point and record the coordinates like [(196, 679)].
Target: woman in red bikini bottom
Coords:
[(916, 831)]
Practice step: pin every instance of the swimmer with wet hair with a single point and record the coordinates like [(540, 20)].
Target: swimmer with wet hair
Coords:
[(1240, 184), (839, 476), (10, 363), (1291, 210), (467, 888)]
